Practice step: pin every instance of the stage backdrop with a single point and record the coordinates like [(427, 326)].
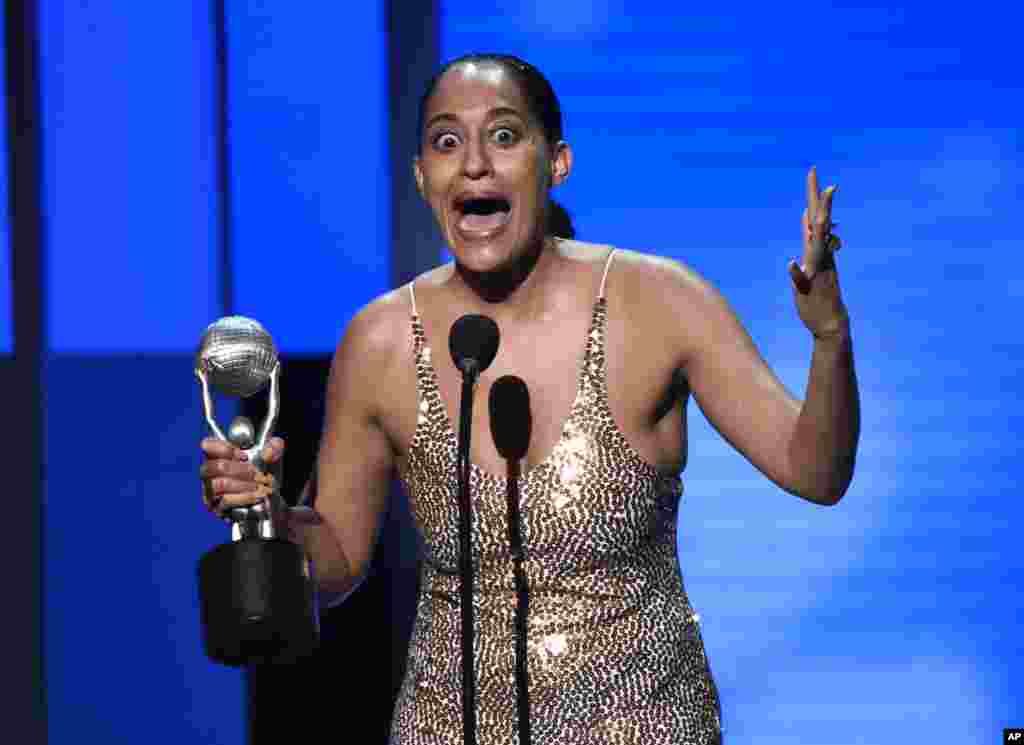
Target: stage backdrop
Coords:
[(889, 618), (136, 272), (894, 616)]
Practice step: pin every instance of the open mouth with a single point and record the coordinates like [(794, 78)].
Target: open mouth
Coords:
[(482, 214)]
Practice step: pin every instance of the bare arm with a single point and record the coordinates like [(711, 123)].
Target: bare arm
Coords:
[(823, 448), (808, 448), (349, 488)]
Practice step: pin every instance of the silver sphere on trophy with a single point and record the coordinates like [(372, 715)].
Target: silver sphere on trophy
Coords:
[(258, 603)]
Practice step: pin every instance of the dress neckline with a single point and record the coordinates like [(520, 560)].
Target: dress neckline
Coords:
[(580, 372)]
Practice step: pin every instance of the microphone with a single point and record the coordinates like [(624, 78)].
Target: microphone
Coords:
[(473, 343), (511, 423), (510, 406)]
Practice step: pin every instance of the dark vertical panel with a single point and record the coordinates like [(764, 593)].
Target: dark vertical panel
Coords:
[(6, 275), (22, 677), (414, 55), (223, 127), (413, 31)]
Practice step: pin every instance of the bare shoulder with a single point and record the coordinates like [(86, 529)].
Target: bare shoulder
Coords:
[(379, 327), (372, 354), (668, 294), (589, 253), (646, 281)]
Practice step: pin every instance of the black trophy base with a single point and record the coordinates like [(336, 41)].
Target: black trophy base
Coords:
[(257, 604)]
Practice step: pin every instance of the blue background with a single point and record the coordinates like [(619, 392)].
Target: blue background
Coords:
[(895, 616), (310, 187), (892, 617), (129, 175)]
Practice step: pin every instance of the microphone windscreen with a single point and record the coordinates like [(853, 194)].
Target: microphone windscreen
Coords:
[(511, 422), (473, 337)]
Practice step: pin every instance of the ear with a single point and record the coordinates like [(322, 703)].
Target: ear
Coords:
[(417, 172), (561, 163)]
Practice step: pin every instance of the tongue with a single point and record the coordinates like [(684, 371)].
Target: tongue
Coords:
[(474, 222)]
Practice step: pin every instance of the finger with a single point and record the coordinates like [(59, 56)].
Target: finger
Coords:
[(229, 468), (216, 448), (809, 253), (246, 499), (223, 486), (826, 205), (801, 282), (273, 451), (210, 499), (267, 480), (812, 195)]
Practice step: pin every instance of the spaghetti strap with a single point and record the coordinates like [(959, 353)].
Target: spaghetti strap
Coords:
[(412, 297), (607, 266)]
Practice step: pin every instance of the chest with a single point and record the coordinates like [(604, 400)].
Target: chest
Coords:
[(547, 357)]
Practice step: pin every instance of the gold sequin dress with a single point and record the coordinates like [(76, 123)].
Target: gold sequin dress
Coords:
[(615, 654)]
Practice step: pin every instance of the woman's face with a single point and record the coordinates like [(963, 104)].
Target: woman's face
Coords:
[(485, 167)]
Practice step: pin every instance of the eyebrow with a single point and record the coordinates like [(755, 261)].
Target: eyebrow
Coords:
[(492, 114)]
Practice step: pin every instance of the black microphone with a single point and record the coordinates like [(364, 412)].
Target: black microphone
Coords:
[(473, 342), (510, 427), (510, 407)]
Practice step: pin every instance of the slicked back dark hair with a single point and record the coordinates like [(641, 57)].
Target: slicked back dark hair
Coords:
[(541, 99), (539, 94)]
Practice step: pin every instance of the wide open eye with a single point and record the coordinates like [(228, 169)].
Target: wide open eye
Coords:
[(446, 141), (505, 136)]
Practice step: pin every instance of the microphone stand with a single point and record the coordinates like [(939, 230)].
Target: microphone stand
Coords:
[(469, 374), (510, 427), (473, 342), (522, 603)]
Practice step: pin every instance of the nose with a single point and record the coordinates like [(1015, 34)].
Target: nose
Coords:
[(477, 162)]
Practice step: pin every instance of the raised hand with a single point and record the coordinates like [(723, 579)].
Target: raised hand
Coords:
[(815, 284)]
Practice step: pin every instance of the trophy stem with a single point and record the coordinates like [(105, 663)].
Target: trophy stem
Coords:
[(208, 405)]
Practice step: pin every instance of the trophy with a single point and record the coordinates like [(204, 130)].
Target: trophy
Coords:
[(257, 595)]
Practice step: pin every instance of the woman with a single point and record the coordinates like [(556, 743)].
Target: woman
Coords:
[(611, 343)]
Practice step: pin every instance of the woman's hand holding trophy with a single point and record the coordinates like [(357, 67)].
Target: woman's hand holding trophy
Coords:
[(257, 596)]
